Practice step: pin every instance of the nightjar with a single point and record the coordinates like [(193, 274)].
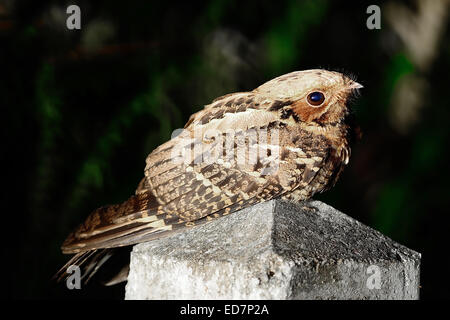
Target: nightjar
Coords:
[(288, 138)]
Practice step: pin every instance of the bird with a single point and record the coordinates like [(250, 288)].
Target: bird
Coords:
[(289, 138)]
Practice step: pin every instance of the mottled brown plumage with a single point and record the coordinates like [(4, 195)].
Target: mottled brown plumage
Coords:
[(306, 148)]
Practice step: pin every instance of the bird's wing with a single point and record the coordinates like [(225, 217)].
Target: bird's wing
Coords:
[(183, 191)]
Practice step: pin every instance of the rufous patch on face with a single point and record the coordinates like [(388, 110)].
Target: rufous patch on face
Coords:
[(306, 112)]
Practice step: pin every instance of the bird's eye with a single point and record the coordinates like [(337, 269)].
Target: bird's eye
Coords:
[(316, 98)]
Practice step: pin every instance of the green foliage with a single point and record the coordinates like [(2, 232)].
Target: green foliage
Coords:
[(285, 37)]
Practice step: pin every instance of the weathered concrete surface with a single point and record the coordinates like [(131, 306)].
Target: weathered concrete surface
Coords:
[(275, 250)]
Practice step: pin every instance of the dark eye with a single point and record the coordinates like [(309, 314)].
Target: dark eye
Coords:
[(316, 98)]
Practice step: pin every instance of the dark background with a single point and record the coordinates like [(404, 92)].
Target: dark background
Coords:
[(81, 109)]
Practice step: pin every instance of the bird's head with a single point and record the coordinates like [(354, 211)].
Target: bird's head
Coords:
[(311, 96)]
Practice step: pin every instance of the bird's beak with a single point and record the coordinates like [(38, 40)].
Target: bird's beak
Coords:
[(355, 85), (352, 90)]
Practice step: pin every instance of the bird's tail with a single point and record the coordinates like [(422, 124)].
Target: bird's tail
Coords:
[(90, 262)]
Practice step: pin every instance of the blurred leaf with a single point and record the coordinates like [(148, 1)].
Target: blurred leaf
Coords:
[(284, 39)]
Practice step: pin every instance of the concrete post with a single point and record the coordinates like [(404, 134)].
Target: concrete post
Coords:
[(275, 250)]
